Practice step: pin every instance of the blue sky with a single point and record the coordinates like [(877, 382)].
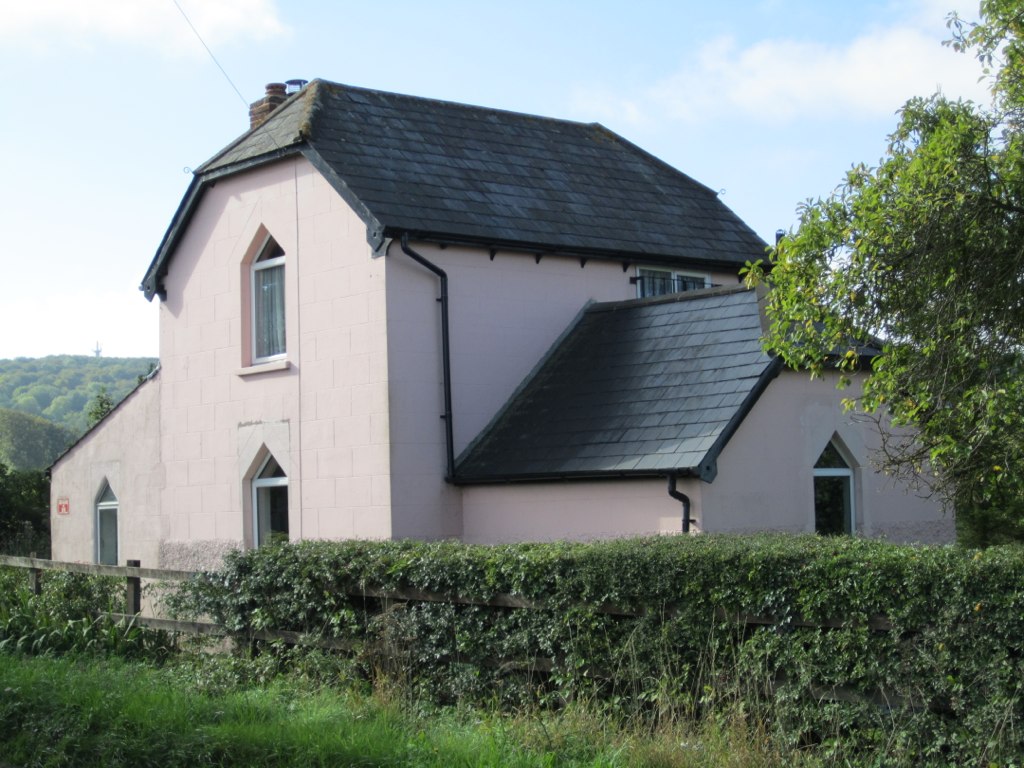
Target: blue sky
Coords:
[(108, 103)]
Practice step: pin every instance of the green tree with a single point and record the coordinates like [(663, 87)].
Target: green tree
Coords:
[(30, 442), (925, 253), (24, 512), (100, 406)]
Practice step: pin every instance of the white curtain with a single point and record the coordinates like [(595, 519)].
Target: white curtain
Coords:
[(268, 325)]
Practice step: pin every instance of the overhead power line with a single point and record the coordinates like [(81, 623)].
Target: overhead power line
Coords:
[(200, 38)]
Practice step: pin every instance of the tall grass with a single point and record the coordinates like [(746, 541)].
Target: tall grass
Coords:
[(116, 713)]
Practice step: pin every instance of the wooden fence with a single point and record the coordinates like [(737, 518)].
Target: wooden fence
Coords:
[(133, 573)]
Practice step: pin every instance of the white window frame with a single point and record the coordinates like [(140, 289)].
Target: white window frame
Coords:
[(670, 274), (107, 506), (848, 473), (258, 266), (259, 483)]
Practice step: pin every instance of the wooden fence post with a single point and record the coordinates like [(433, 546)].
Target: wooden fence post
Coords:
[(133, 591), (35, 583)]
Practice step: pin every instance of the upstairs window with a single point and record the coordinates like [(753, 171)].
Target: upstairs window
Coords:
[(270, 503), (834, 502), (660, 282), (267, 279)]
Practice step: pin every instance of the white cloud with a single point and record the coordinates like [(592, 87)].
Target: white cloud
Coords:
[(50, 24), (786, 80)]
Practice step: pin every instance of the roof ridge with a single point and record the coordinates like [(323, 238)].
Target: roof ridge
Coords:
[(459, 104)]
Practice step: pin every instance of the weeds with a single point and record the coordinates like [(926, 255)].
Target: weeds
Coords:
[(65, 619), (116, 713)]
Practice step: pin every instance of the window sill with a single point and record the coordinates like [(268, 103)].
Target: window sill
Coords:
[(252, 370)]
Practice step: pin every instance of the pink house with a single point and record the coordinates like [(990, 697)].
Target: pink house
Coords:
[(384, 316)]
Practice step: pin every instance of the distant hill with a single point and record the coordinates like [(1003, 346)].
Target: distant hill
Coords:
[(30, 442), (60, 388)]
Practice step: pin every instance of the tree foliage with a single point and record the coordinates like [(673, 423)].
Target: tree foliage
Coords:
[(62, 388), (100, 406), (24, 512), (30, 442), (925, 253)]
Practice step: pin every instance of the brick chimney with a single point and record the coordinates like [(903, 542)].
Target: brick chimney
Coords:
[(260, 110)]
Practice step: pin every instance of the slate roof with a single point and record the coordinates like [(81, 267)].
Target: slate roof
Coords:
[(647, 387), (458, 173)]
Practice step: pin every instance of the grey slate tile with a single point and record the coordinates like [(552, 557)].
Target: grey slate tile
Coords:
[(611, 406), (621, 198)]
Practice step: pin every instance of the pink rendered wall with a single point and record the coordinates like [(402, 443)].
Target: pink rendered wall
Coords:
[(765, 482), (497, 514), (322, 413), (505, 314), (765, 475), (135, 476)]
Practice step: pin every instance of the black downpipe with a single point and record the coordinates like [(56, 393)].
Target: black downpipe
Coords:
[(681, 497), (446, 363)]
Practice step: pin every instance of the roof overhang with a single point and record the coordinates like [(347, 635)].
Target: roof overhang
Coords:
[(378, 232), (539, 250), (546, 477), (152, 283)]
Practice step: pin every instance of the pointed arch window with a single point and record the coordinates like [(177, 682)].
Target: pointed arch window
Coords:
[(267, 304), (835, 509), (106, 527), (270, 503)]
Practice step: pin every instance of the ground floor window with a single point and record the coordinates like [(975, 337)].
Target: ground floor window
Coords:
[(834, 507), (106, 527), (270, 503)]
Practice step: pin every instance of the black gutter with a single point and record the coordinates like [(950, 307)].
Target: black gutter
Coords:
[(445, 355), (585, 474), (552, 249), (681, 497)]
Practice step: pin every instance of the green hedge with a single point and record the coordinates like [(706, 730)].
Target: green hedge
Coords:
[(943, 685)]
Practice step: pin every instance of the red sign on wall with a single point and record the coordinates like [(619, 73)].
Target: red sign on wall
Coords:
[(64, 506)]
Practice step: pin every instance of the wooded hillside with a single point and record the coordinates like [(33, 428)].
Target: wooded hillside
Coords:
[(31, 442), (45, 402)]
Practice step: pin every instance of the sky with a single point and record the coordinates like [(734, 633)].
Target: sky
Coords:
[(110, 103)]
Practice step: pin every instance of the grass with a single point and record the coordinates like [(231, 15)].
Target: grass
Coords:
[(86, 712)]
